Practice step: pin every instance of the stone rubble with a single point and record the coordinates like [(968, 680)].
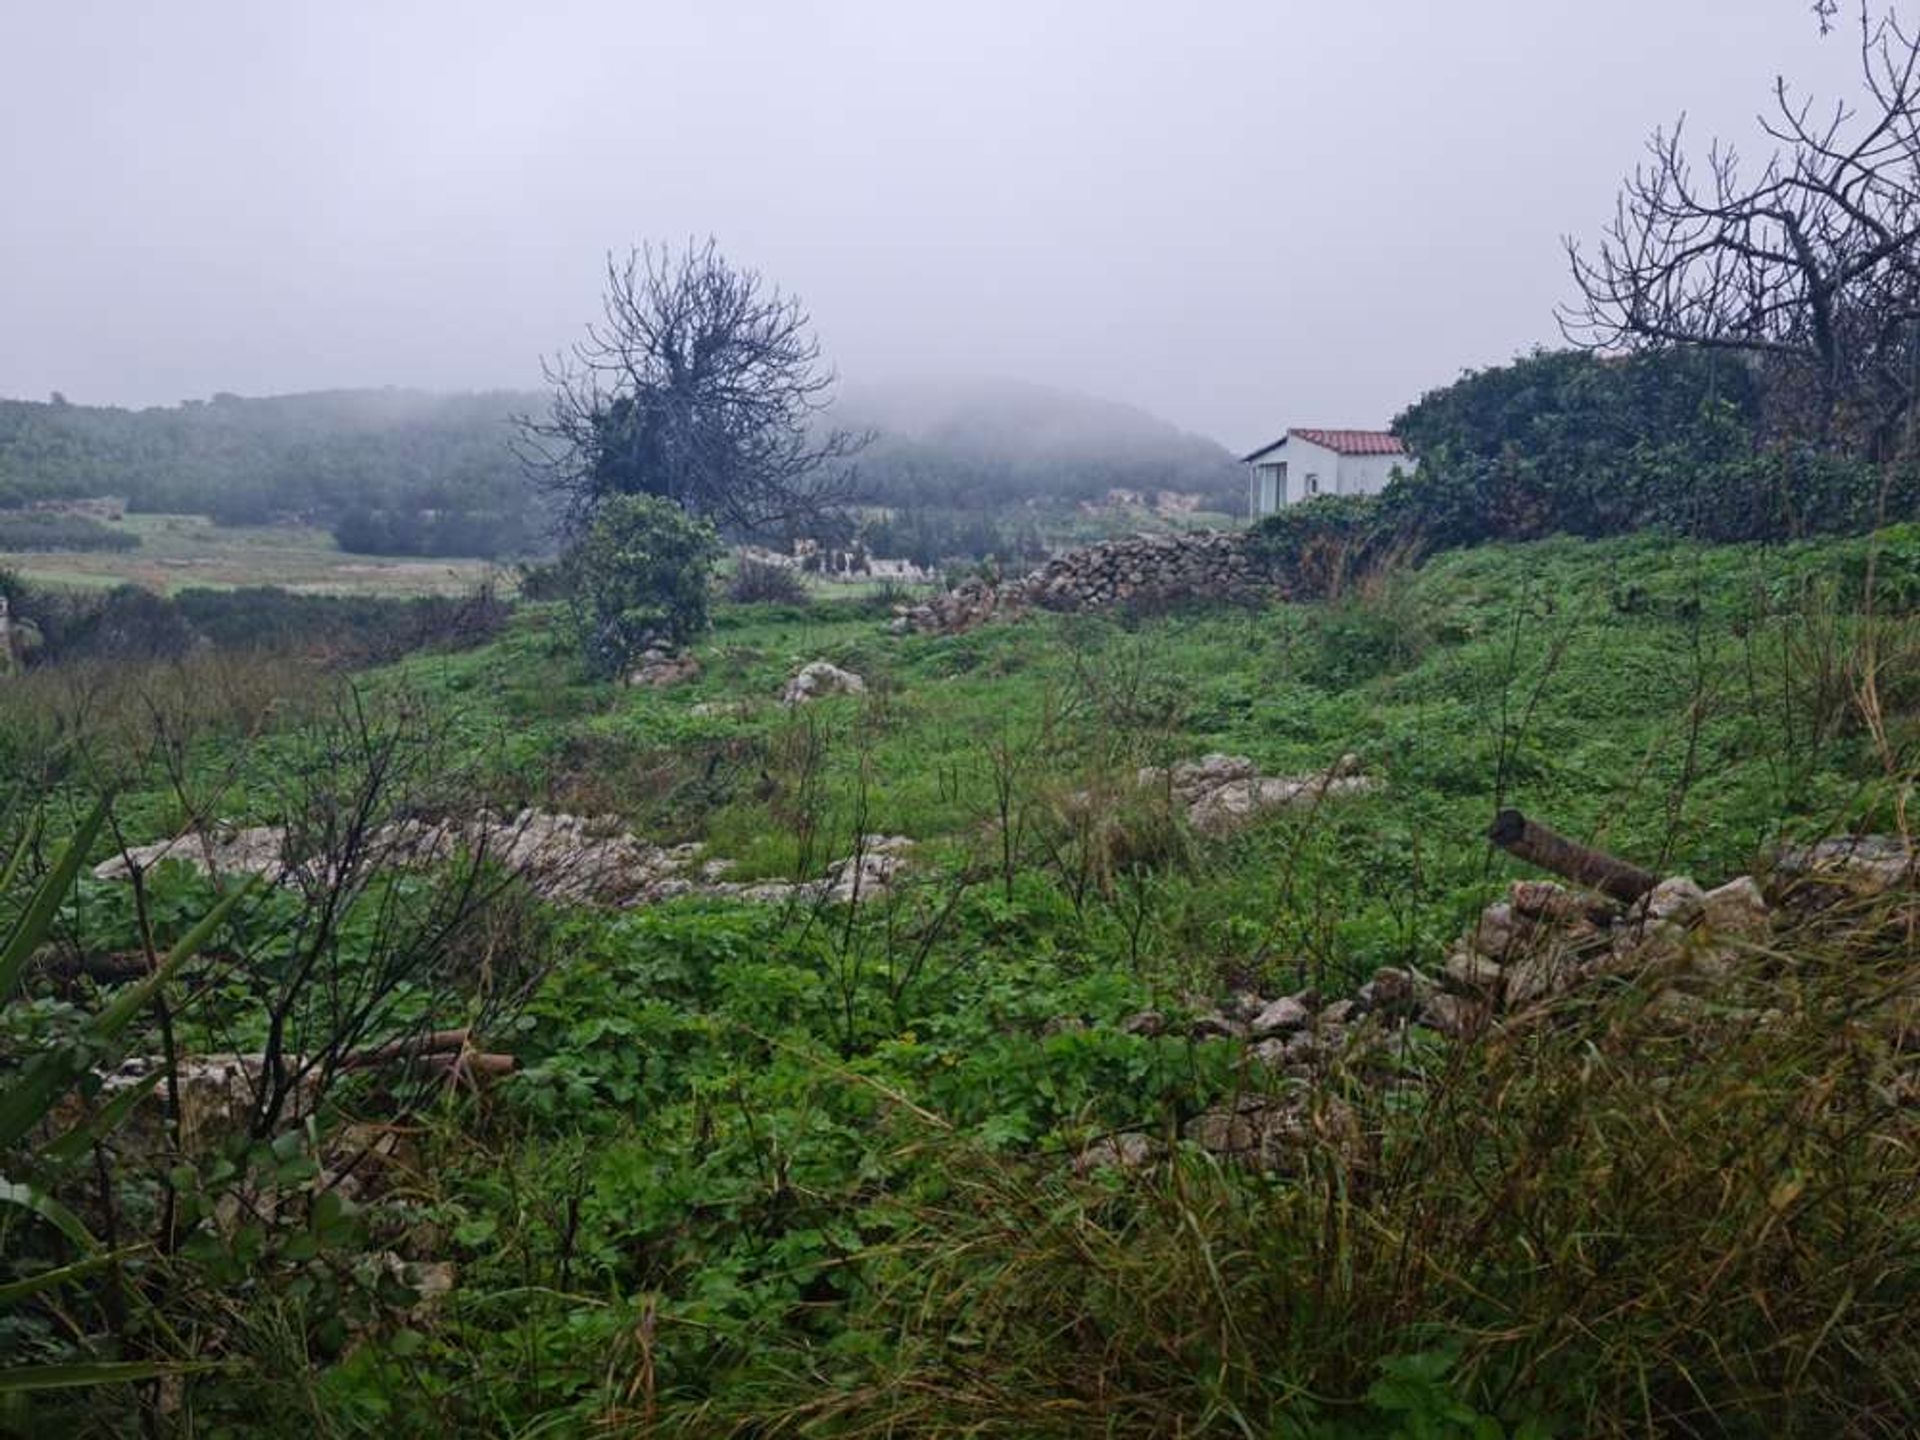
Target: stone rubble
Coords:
[(1221, 793), (1543, 940), (569, 859)]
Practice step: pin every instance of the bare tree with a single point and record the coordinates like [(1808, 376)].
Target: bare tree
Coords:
[(1809, 270), (702, 385)]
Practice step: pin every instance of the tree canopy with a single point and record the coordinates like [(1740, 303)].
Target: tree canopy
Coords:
[(702, 385)]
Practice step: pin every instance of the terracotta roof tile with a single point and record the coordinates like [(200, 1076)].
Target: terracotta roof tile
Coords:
[(1354, 442), (1344, 442)]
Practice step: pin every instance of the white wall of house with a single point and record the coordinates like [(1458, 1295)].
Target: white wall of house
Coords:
[(1296, 469), (1369, 474)]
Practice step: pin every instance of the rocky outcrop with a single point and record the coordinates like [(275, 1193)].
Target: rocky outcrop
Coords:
[(569, 859), (1145, 570), (1221, 793), (820, 678)]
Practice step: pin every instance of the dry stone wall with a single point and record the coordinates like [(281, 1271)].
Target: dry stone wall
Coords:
[(1145, 570)]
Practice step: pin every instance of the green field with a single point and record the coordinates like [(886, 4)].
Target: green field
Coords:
[(790, 1168), (180, 552)]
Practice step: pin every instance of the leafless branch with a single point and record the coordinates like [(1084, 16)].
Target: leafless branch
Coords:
[(1809, 267), (700, 384)]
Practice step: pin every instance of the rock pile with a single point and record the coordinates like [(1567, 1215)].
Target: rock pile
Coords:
[(820, 678), (1221, 793), (1540, 942), (1216, 565), (566, 858)]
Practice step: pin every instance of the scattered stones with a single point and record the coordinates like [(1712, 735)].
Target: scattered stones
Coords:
[(1275, 1053), (1495, 932), (1539, 977), (1458, 1017), (1474, 973), (1217, 1027), (1221, 793), (1271, 1131), (819, 678), (1543, 940), (567, 858), (1243, 1005), (1860, 866), (1737, 911), (870, 871), (1394, 991)]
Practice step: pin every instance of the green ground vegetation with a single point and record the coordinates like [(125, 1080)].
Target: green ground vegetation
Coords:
[(794, 1168)]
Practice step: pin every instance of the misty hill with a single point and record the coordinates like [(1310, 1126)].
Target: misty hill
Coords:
[(983, 442), (409, 472), (414, 473)]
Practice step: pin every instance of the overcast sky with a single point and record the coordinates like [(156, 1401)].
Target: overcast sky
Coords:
[(1241, 214)]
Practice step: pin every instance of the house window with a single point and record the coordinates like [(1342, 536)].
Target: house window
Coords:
[(1273, 488), (1313, 483)]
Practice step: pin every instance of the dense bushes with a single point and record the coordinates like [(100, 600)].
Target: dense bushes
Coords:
[(1570, 442), (930, 536), (638, 579), (1564, 442), (39, 530), (355, 629)]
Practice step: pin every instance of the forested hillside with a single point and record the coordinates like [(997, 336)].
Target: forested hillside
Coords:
[(406, 472), (984, 443)]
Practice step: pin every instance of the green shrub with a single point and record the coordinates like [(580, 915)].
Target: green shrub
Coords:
[(640, 579), (756, 582)]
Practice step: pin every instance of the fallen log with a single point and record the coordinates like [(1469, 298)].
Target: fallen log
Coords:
[(448, 1053), (1534, 843), (472, 1063), (413, 1047)]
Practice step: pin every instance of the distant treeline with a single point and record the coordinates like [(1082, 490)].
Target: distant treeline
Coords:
[(404, 472), (394, 472)]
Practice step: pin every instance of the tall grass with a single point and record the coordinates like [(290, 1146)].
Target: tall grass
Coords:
[(1619, 1218)]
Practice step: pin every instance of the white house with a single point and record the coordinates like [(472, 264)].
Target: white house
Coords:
[(1304, 463)]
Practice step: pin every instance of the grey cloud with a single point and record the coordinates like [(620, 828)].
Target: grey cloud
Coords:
[(1240, 215)]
